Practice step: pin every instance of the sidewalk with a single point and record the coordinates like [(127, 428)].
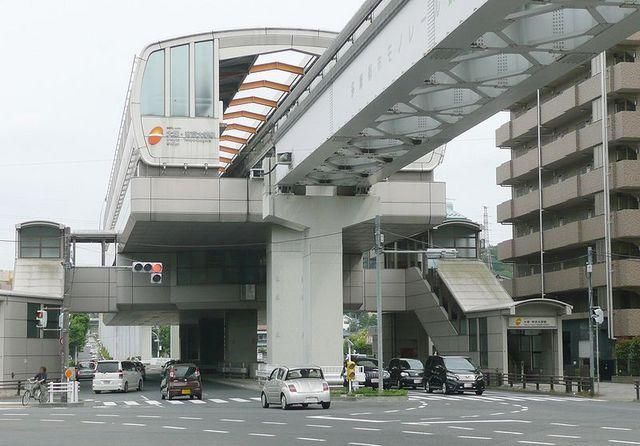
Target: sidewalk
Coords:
[(607, 391), (617, 391)]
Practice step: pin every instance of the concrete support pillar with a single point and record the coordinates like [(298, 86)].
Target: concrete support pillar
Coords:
[(241, 336), (175, 342), (304, 295)]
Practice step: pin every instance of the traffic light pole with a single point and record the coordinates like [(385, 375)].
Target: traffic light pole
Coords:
[(379, 259), (591, 321)]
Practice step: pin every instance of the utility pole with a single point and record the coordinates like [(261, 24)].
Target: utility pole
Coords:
[(485, 238), (379, 242), (589, 273), (540, 196)]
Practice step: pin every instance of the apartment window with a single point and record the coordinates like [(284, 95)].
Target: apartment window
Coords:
[(626, 153), (33, 332), (180, 80), (40, 242), (204, 79), (152, 95), (473, 335), (484, 342), (597, 157), (624, 56), (624, 104)]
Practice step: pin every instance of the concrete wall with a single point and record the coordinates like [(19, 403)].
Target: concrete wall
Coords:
[(241, 337), (126, 341), (39, 276), (19, 355)]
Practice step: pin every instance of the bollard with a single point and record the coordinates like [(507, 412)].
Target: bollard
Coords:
[(19, 386), (524, 381), (638, 390), (568, 386), (551, 382)]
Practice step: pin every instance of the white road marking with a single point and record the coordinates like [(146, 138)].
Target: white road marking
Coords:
[(359, 420), (322, 426), (542, 443), (615, 428), (261, 435), (469, 437), (144, 397), (107, 415), (132, 403), (359, 413), (363, 444), (94, 422), (48, 420), (190, 418), (416, 433), (178, 428), (109, 403), (198, 402), (215, 432), (256, 398), (277, 423), (218, 401), (10, 419), (153, 403), (496, 414), (134, 424), (239, 400), (231, 420), (563, 436), (310, 439), (391, 411), (623, 442), (462, 428), (427, 423), (62, 414), (564, 424), (175, 402), (469, 416), (15, 414), (366, 429), (507, 432), (148, 416)]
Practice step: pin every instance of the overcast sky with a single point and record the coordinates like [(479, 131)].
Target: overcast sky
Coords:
[(62, 87)]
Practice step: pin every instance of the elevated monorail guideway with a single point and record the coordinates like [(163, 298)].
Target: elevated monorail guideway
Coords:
[(406, 76)]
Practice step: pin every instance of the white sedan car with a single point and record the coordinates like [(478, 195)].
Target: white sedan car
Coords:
[(287, 386)]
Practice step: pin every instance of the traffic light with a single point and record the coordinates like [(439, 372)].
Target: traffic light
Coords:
[(351, 371), (41, 319), (153, 268), (597, 315)]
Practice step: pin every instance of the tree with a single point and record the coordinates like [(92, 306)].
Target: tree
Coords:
[(78, 329), (360, 342), (165, 339)]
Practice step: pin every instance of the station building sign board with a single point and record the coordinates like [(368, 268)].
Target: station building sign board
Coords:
[(532, 322)]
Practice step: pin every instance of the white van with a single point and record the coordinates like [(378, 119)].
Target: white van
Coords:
[(116, 376)]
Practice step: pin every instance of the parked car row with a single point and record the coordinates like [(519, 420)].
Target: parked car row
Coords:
[(448, 374)]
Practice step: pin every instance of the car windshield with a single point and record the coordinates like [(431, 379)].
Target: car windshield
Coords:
[(185, 371), (107, 367), (459, 364), (414, 364), (85, 366), (304, 374), (367, 363)]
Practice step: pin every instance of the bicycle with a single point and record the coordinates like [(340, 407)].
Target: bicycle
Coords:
[(34, 393)]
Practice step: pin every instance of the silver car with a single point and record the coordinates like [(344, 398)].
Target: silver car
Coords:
[(287, 386)]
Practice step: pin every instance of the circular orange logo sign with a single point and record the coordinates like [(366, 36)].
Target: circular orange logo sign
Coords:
[(155, 136), (518, 322)]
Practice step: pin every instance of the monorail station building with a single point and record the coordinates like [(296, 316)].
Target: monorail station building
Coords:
[(252, 164)]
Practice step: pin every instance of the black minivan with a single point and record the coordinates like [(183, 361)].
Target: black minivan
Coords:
[(452, 374)]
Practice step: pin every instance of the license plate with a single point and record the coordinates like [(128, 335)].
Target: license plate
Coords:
[(374, 380), (186, 391), (106, 382), (468, 385), (311, 400), (417, 381)]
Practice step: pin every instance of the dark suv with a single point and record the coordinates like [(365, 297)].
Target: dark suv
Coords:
[(406, 372), (452, 374)]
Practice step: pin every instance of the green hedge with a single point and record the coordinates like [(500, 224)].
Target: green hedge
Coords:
[(628, 356)]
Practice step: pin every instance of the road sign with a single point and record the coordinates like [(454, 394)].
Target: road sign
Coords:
[(69, 373)]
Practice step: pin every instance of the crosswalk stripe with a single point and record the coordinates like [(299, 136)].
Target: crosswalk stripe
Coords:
[(132, 403), (110, 403), (198, 402), (255, 398), (153, 402), (175, 402), (218, 401), (239, 400)]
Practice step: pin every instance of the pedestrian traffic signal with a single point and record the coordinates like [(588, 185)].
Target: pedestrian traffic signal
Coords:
[(597, 315), (41, 319), (153, 268), (351, 371)]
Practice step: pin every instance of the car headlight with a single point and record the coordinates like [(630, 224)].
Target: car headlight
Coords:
[(479, 376), (404, 374), (452, 376), (386, 375)]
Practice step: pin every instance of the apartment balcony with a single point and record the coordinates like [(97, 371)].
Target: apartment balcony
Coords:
[(626, 274), (625, 175), (626, 322), (625, 225), (566, 149), (622, 78)]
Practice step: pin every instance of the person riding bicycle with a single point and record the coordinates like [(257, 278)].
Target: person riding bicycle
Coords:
[(40, 380)]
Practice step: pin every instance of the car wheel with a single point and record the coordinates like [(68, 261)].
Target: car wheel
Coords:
[(97, 392), (283, 402), (140, 386), (479, 392), (444, 389), (263, 400), (399, 384), (305, 405), (126, 387), (162, 396), (199, 396), (326, 405)]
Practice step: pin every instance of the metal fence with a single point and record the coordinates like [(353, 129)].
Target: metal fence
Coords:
[(568, 384), (11, 387)]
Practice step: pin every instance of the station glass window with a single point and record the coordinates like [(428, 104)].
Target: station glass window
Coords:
[(33, 332), (180, 80), (152, 96), (40, 242), (52, 324), (204, 79)]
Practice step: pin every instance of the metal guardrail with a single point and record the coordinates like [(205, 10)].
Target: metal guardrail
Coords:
[(70, 389), (580, 384)]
